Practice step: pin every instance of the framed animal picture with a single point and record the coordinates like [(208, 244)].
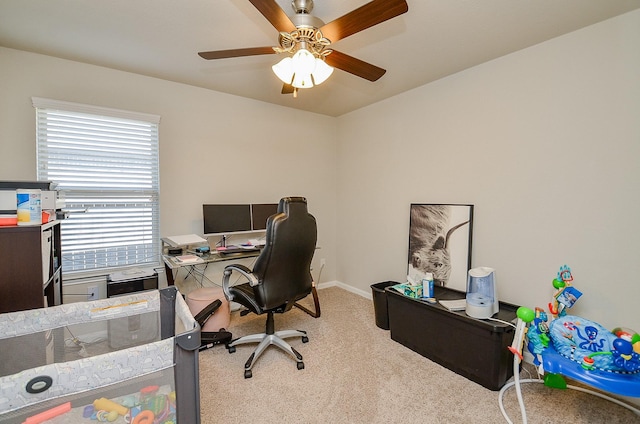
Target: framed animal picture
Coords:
[(440, 243)]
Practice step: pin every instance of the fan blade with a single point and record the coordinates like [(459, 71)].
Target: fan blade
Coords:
[(354, 66), (364, 17), (224, 54), (274, 14), (287, 89)]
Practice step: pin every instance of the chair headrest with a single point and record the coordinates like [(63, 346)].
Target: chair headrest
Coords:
[(286, 202)]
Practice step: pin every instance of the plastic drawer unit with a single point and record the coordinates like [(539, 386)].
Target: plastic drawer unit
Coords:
[(132, 358), (474, 348)]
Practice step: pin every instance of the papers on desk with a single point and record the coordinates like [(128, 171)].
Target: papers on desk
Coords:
[(189, 259), (185, 240)]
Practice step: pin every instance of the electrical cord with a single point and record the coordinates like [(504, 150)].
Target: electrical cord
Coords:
[(320, 273), (501, 321), (76, 343)]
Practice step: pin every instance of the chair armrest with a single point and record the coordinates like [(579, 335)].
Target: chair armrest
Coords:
[(246, 272), (242, 270)]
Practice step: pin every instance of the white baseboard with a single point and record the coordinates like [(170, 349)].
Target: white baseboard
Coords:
[(346, 287)]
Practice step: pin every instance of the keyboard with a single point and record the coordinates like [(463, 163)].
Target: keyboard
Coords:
[(237, 249)]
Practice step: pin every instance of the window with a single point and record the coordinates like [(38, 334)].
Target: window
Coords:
[(105, 163)]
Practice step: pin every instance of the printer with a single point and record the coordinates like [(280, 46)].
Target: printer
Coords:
[(50, 200)]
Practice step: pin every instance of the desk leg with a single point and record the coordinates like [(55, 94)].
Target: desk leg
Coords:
[(169, 273), (316, 304)]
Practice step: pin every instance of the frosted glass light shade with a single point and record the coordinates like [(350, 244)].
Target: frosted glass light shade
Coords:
[(304, 62), (302, 80), (284, 70), (322, 72)]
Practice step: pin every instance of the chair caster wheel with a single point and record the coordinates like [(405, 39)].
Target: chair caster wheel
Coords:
[(231, 349), (300, 365), (248, 374), (305, 339)]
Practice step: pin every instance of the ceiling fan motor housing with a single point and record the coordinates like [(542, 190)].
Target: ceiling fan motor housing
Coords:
[(306, 35), (303, 17), (302, 6)]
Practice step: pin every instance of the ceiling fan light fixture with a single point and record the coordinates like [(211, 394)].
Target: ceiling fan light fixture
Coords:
[(303, 70)]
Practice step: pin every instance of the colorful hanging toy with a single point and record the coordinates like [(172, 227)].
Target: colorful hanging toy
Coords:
[(579, 339)]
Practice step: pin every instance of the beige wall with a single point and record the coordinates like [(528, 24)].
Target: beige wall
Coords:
[(214, 147), (544, 142)]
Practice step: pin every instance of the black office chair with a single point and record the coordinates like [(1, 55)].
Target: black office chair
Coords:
[(281, 276)]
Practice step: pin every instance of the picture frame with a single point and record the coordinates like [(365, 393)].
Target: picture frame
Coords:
[(440, 237)]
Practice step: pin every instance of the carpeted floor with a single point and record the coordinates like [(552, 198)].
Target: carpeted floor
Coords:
[(355, 373)]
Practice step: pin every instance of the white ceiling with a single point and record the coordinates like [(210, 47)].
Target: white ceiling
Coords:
[(161, 38)]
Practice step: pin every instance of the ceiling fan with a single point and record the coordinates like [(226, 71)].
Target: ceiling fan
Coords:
[(306, 40)]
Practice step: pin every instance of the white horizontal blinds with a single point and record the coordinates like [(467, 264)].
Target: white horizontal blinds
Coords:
[(107, 167)]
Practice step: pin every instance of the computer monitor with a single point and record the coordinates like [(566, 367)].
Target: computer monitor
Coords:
[(259, 214), (226, 218)]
